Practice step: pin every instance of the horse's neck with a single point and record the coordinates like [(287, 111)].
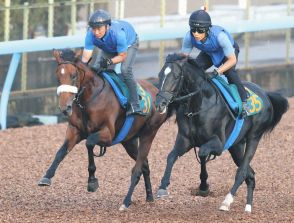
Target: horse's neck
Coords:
[(197, 81), (193, 78), (91, 82)]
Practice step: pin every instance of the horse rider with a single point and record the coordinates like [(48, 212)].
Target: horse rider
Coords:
[(217, 47), (119, 43)]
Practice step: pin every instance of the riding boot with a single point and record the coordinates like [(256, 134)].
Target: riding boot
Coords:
[(233, 78), (134, 105)]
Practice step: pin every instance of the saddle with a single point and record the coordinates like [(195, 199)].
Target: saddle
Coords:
[(122, 92), (233, 99)]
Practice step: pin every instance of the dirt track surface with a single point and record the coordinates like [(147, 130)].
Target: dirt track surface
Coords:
[(27, 152)]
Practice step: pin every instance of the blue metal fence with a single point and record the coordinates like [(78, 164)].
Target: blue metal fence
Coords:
[(165, 33)]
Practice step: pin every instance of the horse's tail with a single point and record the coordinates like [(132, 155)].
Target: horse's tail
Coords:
[(280, 106)]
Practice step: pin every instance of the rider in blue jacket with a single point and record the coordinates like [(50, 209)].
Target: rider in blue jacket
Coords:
[(217, 48), (119, 43)]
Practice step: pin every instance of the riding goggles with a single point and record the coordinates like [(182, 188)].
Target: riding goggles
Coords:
[(199, 30)]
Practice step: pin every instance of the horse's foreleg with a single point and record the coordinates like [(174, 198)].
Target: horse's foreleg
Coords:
[(72, 138), (243, 172), (92, 180), (61, 153), (203, 189), (181, 146)]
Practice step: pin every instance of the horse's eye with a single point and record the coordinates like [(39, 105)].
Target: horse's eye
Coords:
[(74, 77)]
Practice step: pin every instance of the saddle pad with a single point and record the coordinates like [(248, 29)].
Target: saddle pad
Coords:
[(231, 94), (123, 94)]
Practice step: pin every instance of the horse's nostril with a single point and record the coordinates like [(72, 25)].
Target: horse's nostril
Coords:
[(68, 108)]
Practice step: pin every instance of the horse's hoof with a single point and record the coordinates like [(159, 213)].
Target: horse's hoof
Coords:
[(248, 208), (123, 208), (202, 193), (149, 199), (224, 207), (44, 182), (162, 193), (93, 185)]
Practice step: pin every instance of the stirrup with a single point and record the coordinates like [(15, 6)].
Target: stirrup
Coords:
[(134, 110), (245, 109)]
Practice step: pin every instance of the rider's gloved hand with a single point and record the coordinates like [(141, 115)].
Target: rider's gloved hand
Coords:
[(105, 63), (215, 72), (85, 63)]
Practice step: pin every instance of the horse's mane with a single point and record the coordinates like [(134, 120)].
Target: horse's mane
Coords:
[(180, 57)]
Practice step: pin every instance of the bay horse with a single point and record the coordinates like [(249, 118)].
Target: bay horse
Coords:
[(94, 114), (204, 121)]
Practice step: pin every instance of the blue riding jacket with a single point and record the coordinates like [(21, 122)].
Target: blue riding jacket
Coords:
[(117, 39), (212, 45)]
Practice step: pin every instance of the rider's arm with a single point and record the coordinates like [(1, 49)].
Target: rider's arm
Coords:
[(122, 48), (187, 45), (88, 48), (229, 52), (87, 54), (119, 58)]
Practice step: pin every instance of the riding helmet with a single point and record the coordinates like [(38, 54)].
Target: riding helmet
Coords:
[(99, 18), (200, 18)]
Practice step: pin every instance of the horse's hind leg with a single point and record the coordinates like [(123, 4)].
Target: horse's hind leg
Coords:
[(250, 181), (148, 186), (132, 149), (181, 146), (143, 150), (92, 180), (244, 172)]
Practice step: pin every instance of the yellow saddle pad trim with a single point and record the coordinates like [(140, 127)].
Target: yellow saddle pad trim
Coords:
[(255, 102)]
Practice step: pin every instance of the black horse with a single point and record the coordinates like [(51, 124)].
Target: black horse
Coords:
[(204, 121)]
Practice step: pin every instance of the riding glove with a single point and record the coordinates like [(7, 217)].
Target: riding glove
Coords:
[(105, 63), (215, 72)]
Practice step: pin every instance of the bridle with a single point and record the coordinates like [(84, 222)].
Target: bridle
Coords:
[(75, 89), (71, 88), (171, 97)]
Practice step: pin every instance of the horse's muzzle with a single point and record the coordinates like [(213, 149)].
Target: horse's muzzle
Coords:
[(161, 107), (66, 110)]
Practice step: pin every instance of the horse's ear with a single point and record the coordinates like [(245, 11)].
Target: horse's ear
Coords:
[(78, 53), (56, 54)]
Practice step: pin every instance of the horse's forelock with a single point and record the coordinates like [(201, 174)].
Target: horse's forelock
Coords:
[(68, 55), (174, 57)]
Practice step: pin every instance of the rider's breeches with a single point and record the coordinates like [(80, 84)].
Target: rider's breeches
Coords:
[(204, 61), (233, 77), (127, 72), (126, 69)]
